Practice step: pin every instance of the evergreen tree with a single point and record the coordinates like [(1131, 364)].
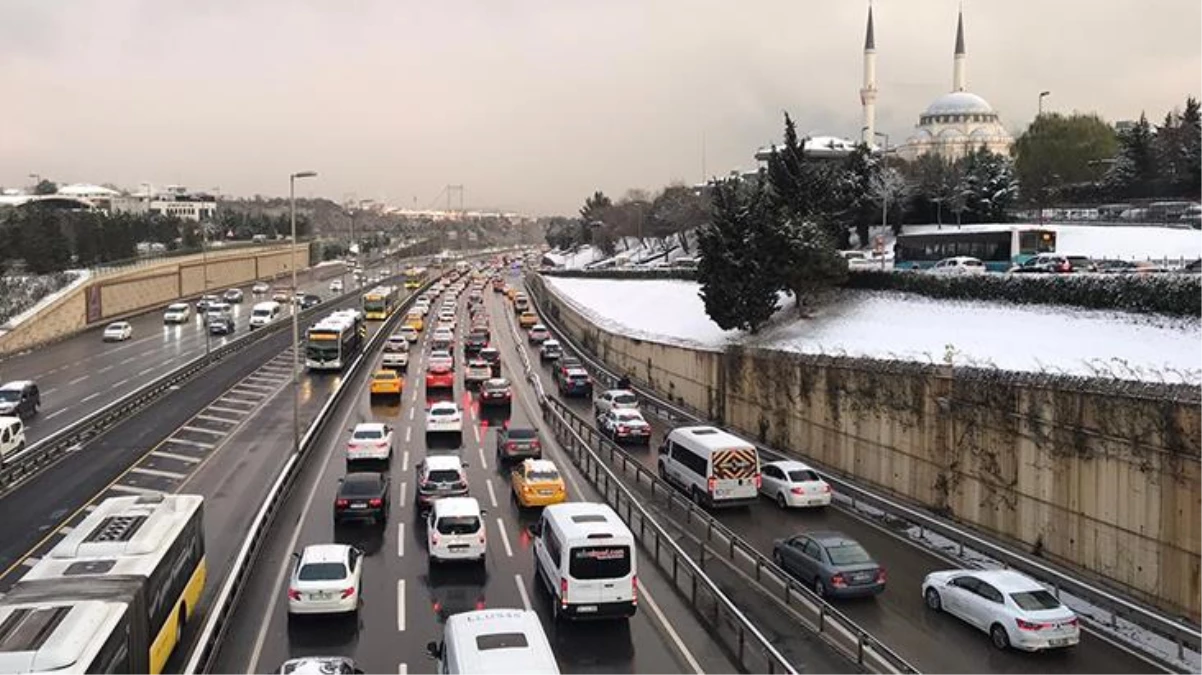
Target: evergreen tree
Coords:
[(1191, 150), (738, 290), (853, 200), (988, 188), (43, 245), (1134, 170), (594, 207), (1058, 151)]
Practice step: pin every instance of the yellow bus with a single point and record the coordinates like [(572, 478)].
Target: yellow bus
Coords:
[(415, 277), (114, 595), (379, 302)]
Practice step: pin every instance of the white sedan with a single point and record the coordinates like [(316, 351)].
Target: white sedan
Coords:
[(444, 417), (793, 484), (958, 266), (326, 580), (1012, 608), (370, 441), (441, 358), (118, 331)]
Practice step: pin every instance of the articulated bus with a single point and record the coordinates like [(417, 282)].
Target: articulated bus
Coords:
[(415, 277), (1000, 247), (331, 343), (114, 595), (379, 302)]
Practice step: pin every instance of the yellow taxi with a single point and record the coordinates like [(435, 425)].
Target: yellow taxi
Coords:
[(527, 319), (510, 292), (386, 383), (537, 482), (415, 319)]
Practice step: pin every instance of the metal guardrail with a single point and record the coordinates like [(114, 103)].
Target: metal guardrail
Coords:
[(1181, 633), (754, 652)]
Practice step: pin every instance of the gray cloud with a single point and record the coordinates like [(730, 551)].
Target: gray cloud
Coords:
[(530, 104)]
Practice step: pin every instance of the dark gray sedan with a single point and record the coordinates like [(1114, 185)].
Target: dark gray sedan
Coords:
[(831, 563)]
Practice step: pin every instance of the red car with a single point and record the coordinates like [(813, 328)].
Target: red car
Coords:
[(440, 377)]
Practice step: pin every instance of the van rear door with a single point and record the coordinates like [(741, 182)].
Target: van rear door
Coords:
[(600, 572), (733, 473)]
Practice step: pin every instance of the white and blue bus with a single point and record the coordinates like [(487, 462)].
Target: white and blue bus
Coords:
[(1000, 247), (331, 343)]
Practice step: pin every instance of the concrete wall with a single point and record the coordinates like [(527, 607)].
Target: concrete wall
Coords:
[(1101, 477)]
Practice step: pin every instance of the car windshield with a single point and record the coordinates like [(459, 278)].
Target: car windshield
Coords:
[(522, 434), (7, 395), (443, 411), (384, 376), (442, 476), (580, 377), (1033, 601), (323, 571), (848, 553), (458, 525), (599, 562), (626, 399), (627, 416), (543, 476), (368, 434), (494, 385), (803, 476), (177, 308), (360, 486)]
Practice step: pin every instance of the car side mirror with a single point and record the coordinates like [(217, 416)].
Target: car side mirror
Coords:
[(433, 650), (535, 528), (296, 554)]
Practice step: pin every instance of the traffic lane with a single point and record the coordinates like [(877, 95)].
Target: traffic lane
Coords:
[(899, 616)]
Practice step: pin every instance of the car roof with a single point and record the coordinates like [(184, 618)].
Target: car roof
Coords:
[(539, 465), (370, 426), (363, 477), (443, 462), (551, 341), (318, 553), (538, 326), (496, 382), (627, 412), (831, 538), (444, 404), (457, 506), (616, 392), (1006, 581), (790, 465), (17, 384)]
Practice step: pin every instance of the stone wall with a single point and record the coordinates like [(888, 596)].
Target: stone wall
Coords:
[(1099, 476)]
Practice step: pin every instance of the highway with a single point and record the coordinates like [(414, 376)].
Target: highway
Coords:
[(82, 373), (935, 643), (405, 602)]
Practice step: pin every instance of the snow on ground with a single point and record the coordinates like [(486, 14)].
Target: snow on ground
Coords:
[(26, 296), (910, 327), (576, 259)]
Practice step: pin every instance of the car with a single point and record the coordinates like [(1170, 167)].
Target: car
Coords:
[(476, 340), (308, 300), (439, 477), (416, 321), (12, 436), (793, 484), (958, 266), (444, 417), (20, 398), (1012, 608), (336, 286), (550, 350), (446, 319), (319, 665), (177, 312), (362, 495), (492, 641), (233, 295), (496, 392), (205, 300), (396, 360), (280, 296), (574, 382), (326, 580), (444, 334), (442, 357), (397, 342), (370, 441), (625, 425), (521, 305), (493, 356), (455, 531), (439, 377), (118, 331), (537, 334), (260, 288), (1055, 263), (477, 372), (409, 333), (537, 482), (527, 320), (831, 563), (515, 443), (221, 324), (615, 398), (386, 382)]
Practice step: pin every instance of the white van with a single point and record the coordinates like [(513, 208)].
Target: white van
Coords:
[(264, 313), (585, 556), (455, 530), (12, 437), (494, 641), (712, 467)]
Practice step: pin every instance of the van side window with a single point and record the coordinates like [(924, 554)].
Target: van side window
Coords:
[(551, 542), (689, 459)]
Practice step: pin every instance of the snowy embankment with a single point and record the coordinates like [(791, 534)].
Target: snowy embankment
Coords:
[(24, 296), (908, 327)]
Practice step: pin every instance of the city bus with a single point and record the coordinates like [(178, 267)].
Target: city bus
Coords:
[(379, 302), (1000, 247), (331, 343), (415, 277), (114, 595)]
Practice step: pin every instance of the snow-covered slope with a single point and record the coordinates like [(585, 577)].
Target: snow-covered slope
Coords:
[(909, 327)]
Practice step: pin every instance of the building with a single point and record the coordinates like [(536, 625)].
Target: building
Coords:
[(174, 201), (956, 123)]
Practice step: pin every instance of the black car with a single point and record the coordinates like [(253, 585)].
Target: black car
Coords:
[(362, 496), (496, 391), (221, 325), (309, 300), (493, 356), (476, 340), (518, 443)]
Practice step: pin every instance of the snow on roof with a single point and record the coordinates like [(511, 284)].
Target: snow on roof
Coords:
[(87, 190)]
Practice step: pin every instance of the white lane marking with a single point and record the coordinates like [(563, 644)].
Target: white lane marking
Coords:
[(492, 496), (400, 604), (404, 669), (172, 455), (199, 430), (411, 413), (403, 486), (121, 383), (476, 431), (215, 418), (408, 433), (167, 362), (105, 369), (145, 370), (56, 413), (89, 397), (159, 472), (522, 591), (47, 392), (233, 411), (77, 381), (405, 459), (148, 352), (134, 489), (129, 360), (414, 397), (504, 538), (671, 630), (483, 461), (400, 540)]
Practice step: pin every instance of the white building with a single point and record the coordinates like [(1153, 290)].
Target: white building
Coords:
[(175, 201)]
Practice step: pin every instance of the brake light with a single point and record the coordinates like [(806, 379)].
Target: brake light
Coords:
[(382, 444), (759, 480), (535, 443), (340, 503), (510, 445), (1065, 266), (480, 604), (348, 592), (880, 575), (1072, 622), (797, 491), (481, 535), (838, 581), (634, 590), (563, 593), (826, 487), (711, 484), (434, 539), (1031, 625), (293, 594), (375, 502), (622, 429)]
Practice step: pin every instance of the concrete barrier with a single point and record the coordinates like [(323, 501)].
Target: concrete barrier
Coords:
[(1099, 476)]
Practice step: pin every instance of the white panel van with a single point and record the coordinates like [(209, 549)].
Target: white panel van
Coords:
[(585, 555), (712, 467), (264, 313), (494, 641)]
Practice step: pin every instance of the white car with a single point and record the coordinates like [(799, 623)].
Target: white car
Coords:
[(441, 358), (615, 399), (958, 266), (625, 425), (1012, 608), (538, 333), (410, 333), (370, 441), (118, 331), (444, 418), (178, 312), (478, 370), (260, 288), (421, 307), (793, 484), (326, 580), (396, 360), (397, 342), (443, 333), (455, 530), (336, 286)]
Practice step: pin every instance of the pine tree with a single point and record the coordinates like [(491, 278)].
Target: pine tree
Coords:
[(1190, 151), (737, 289), (1134, 170), (43, 245)]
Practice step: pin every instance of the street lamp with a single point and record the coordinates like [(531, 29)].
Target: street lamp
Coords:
[(1042, 95), (295, 311)]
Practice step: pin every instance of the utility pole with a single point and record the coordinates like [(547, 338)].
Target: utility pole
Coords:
[(295, 311)]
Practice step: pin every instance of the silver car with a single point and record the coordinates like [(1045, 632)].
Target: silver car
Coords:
[(831, 563)]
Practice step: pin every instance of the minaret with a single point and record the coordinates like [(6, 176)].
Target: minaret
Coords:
[(868, 91), (958, 78)]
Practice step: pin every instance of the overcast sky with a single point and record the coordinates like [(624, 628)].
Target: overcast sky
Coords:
[(530, 105)]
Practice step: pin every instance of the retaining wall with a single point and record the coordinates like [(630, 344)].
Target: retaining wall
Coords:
[(1099, 476)]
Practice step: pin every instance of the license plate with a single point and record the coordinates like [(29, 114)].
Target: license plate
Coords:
[(862, 576), (457, 547), (358, 506), (319, 596), (1058, 642), (586, 609), (546, 493)]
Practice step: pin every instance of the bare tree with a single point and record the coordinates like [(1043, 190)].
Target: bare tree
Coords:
[(890, 189)]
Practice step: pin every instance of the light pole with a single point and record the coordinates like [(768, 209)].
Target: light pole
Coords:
[(1042, 95), (295, 312)]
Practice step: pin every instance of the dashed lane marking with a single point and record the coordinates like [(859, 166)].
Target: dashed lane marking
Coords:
[(89, 397), (56, 413), (492, 496), (159, 473), (408, 434), (400, 605), (171, 455), (31, 561), (77, 381), (120, 383), (145, 370), (504, 538), (104, 369), (211, 432), (405, 459), (184, 441), (522, 591), (233, 411), (400, 540), (133, 489), (251, 386), (483, 461), (403, 486)]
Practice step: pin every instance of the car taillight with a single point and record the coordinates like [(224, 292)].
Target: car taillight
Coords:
[(622, 428), (434, 539), (711, 484), (826, 487), (375, 502), (481, 535), (1071, 622), (759, 480), (634, 590), (293, 594), (510, 445), (382, 444), (340, 503), (1031, 625), (348, 592), (535, 443), (838, 581), (563, 593), (880, 575), (797, 491), (480, 604), (1065, 267)]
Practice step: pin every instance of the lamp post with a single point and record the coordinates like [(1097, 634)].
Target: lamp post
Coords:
[(295, 311), (1042, 95)]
